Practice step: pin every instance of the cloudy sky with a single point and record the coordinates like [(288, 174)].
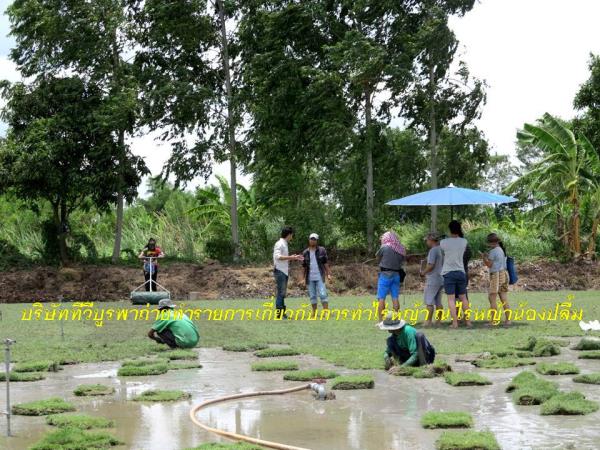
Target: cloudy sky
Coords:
[(532, 53)]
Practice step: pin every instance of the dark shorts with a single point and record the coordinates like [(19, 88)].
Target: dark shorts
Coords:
[(167, 337), (455, 283)]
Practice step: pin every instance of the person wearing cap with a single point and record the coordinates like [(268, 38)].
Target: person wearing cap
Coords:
[(406, 345), (177, 332), (434, 282), (316, 270)]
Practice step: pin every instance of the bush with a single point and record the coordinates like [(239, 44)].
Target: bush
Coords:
[(161, 396), (449, 419), (465, 379), (571, 403), (562, 368), (85, 390), (79, 421), (353, 382), (274, 365), (272, 352), (52, 405), (467, 440), (309, 375)]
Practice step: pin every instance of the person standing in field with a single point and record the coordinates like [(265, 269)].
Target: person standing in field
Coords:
[(316, 271), (281, 263), (453, 271), (495, 261), (434, 282), (391, 257), (151, 250)]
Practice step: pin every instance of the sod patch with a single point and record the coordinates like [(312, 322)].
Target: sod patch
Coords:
[(25, 376), (561, 368), (37, 366), (403, 371), (588, 378), (540, 347), (80, 421), (274, 365), (161, 396), (52, 405), (309, 375), (467, 440), (73, 438), (522, 379), (588, 344), (502, 363), (465, 379), (449, 419), (143, 362), (535, 393), (590, 355), (179, 365), (273, 352), (248, 347), (140, 371), (181, 354), (570, 403), (353, 382), (85, 390)]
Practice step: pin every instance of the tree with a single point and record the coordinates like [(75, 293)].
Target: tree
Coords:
[(59, 149), (90, 38), (500, 172), (587, 100)]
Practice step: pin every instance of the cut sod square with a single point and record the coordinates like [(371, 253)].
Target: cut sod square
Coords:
[(273, 352), (73, 438), (23, 376), (53, 405), (403, 371), (156, 395), (561, 368), (424, 372), (353, 382), (569, 403), (502, 363), (524, 378), (37, 366), (465, 379), (467, 440), (247, 347), (140, 371), (85, 390), (181, 354), (588, 378), (309, 375), (274, 365), (143, 362), (449, 419), (535, 393), (179, 365), (80, 421), (440, 367), (590, 355), (588, 343)]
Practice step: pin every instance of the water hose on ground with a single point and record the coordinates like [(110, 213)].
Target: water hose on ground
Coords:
[(241, 437)]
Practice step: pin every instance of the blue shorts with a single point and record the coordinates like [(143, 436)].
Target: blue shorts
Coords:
[(388, 283), (455, 283)]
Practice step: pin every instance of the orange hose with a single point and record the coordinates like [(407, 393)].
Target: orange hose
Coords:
[(241, 437)]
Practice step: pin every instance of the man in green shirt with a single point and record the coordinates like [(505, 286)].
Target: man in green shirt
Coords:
[(177, 332), (409, 346)]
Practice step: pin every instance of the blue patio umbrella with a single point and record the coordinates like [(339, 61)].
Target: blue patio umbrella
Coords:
[(450, 196)]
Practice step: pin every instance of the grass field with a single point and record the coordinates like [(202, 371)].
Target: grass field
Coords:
[(354, 344)]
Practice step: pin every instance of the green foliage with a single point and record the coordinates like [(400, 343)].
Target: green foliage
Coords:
[(467, 440), (447, 419), (588, 344), (588, 378), (353, 382), (272, 352), (139, 371), (309, 375), (561, 368), (570, 403), (85, 390), (79, 421), (28, 376), (74, 438), (274, 365), (52, 405), (465, 379), (161, 396)]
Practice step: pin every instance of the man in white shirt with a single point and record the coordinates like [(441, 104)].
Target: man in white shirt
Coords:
[(281, 262)]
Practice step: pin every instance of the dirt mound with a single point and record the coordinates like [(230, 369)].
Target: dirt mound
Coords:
[(213, 280)]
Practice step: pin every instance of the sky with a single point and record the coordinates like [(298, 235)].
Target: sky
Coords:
[(533, 54)]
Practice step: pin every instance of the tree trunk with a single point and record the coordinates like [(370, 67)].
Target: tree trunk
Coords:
[(61, 228), (433, 167), (591, 250), (230, 135), (370, 221), (576, 241)]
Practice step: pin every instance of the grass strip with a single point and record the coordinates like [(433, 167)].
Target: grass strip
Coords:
[(561, 368), (588, 344), (590, 355), (37, 366), (156, 395), (274, 365), (309, 375), (248, 347), (353, 382), (588, 378), (467, 440), (25, 376), (179, 365), (140, 371), (273, 352), (79, 421), (143, 362), (76, 439), (85, 390), (466, 379), (569, 403), (51, 405), (502, 363), (448, 419)]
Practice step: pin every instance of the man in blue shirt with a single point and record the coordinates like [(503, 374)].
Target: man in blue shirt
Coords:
[(407, 345)]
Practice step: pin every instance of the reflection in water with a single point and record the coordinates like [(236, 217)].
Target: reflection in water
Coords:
[(355, 429), (160, 427)]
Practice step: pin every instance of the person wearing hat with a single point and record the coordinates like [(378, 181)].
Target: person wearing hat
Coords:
[(316, 270), (407, 345), (177, 332), (434, 282)]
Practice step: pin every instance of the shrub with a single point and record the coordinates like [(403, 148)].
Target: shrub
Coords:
[(79, 421), (73, 438), (52, 405), (161, 396), (467, 440), (588, 378), (139, 371), (353, 382), (93, 389), (561, 368), (588, 344), (571, 403), (274, 365), (309, 375), (272, 352), (466, 379), (449, 419)]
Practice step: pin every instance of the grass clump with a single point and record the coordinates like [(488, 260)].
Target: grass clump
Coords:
[(588, 378), (561, 368), (220, 446), (309, 375), (52, 405), (541, 347), (466, 379), (403, 371), (502, 363), (76, 439), (590, 355), (449, 419), (528, 389), (248, 347), (25, 376), (156, 395), (353, 382), (181, 354), (37, 366), (524, 378), (274, 365), (569, 403), (79, 421), (178, 365), (588, 344), (467, 440), (143, 362), (85, 390), (272, 352), (140, 371)]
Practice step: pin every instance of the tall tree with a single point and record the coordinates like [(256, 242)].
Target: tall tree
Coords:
[(587, 100), (92, 40)]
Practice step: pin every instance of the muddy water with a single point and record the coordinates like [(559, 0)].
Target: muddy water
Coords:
[(386, 417)]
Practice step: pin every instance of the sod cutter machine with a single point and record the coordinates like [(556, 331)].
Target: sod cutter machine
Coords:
[(151, 296)]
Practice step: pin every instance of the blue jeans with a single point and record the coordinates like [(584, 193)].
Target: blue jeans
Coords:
[(281, 281), (317, 287)]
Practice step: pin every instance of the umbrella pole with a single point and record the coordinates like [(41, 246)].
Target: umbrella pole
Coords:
[(451, 212)]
